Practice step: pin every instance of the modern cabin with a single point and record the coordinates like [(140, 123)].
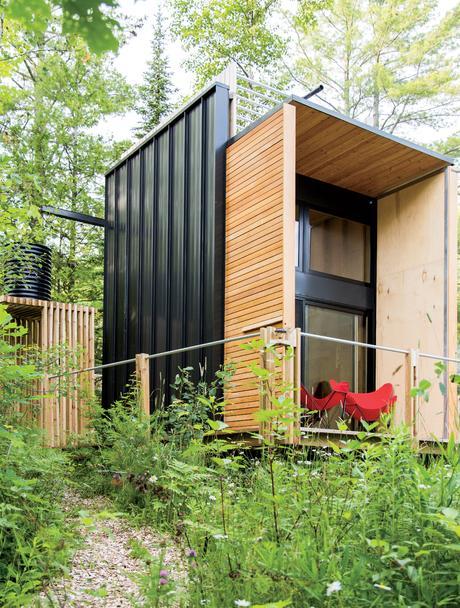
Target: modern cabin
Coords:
[(304, 218)]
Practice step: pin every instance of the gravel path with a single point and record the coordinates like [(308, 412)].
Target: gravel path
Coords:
[(103, 569)]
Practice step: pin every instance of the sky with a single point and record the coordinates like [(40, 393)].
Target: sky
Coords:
[(134, 55)]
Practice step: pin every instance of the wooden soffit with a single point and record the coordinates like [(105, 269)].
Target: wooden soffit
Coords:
[(341, 151)]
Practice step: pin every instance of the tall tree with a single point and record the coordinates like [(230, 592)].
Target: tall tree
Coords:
[(52, 154), (216, 32), (154, 100), (392, 63)]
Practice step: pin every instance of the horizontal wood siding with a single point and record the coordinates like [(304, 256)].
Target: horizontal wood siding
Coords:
[(259, 258)]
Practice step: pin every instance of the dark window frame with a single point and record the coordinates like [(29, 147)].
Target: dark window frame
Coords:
[(326, 290)]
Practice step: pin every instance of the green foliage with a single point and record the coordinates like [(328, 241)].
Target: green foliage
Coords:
[(154, 95), (215, 32), (393, 63), (15, 378), (90, 19), (52, 154), (362, 524), (196, 406), (33, 542)]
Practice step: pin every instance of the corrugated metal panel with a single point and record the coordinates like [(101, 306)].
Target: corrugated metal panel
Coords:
[(164, 256)]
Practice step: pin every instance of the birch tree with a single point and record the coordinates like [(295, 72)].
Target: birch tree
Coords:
[(392, 63)]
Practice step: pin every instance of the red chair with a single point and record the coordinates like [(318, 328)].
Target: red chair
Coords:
[(336, 396), (370, 406)]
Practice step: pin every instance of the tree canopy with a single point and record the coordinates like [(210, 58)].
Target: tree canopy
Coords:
[(92, 20)]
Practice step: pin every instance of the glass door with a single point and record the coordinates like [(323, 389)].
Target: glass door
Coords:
[(325, 360)]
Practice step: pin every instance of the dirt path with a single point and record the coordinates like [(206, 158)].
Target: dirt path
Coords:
[(103, 569)]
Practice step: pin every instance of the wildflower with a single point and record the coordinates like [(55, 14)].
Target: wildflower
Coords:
[(220, 536), (164, 573), (204, 602), (153, 479), (191, 553), (242, 603), (380, 586), (333, 588), (163, 581), (422, 486), (212, 498)]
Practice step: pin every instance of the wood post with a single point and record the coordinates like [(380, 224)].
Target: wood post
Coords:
[(411, 404), (288, 375), (143, 381), (266, 362)]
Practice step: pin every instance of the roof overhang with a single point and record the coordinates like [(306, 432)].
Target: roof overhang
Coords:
[(338, 150)]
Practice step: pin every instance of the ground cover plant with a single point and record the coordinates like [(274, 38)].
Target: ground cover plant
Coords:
[(362, 523), (33, 542)]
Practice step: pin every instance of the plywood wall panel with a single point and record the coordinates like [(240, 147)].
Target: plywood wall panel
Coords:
[(259, 261), (412, 285)]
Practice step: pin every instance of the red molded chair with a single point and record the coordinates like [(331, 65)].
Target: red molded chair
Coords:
[(337, 395), (370, 406)]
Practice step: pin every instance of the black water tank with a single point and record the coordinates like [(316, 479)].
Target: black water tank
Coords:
[(28, 274)]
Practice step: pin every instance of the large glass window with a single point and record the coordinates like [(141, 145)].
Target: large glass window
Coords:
[(326, 360), (339, 246)]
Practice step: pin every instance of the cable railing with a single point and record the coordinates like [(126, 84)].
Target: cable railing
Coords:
[(380, 347), (412, 358), (252, 99), (165, 353)]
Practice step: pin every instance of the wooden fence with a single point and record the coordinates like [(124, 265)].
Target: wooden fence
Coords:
[(63, 337)]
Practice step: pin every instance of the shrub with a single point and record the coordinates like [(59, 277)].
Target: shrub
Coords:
[(33, 543)]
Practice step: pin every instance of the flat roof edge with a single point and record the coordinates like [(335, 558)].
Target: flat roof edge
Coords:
[(164, 125), (357, 123)]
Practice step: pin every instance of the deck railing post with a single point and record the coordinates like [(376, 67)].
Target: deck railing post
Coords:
[(285, 377), (266, 385), (291, 380), (143, 381)]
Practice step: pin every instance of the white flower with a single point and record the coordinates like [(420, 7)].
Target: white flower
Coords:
[(153, 479), (242, 603), (212, 498), (422, 486), (204, 602), (333, 587), (220, 536), (380, 586)]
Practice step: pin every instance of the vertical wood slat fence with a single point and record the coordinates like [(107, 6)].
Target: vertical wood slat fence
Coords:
[(63, 336)]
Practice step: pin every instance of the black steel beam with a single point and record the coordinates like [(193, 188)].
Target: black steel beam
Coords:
[(74, 215)]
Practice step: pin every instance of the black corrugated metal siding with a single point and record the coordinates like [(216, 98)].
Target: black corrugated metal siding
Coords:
[(164, 248)]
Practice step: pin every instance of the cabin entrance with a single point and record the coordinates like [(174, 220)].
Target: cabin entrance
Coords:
[(335, 284)]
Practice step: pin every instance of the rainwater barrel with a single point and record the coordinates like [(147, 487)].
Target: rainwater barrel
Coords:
[(28, 272)]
